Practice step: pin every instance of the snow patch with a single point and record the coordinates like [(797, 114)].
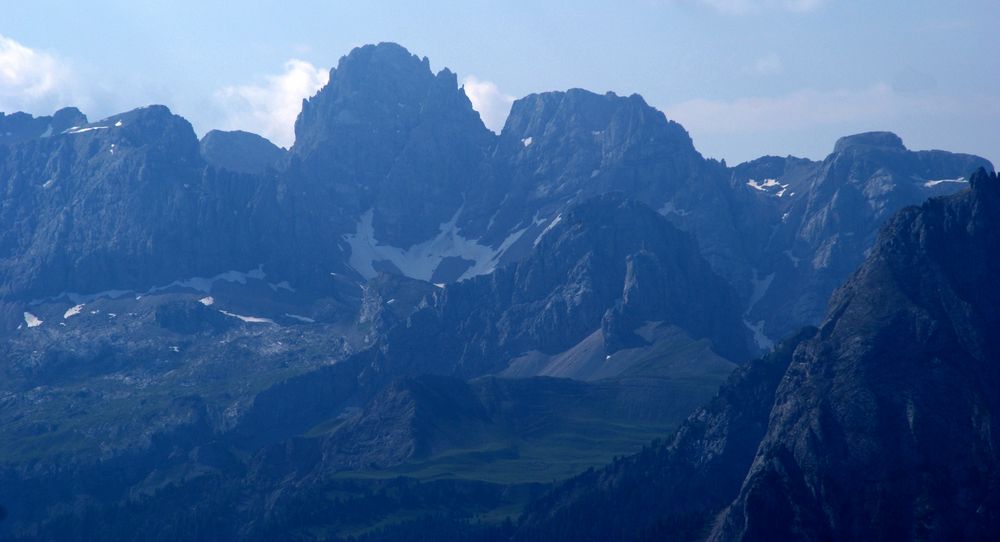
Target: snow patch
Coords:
[(420, 260), (249, 319), (300, 318), (554, 223), (933, 183), (762, 340), (526, 141), (771, 186), (118, 124), (760, 287), (208, 301), (72, 311), (48, 183), (78, 130), (31, 320)]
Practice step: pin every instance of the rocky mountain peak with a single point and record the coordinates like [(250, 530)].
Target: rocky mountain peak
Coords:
[(870, 140), (18, 127), (376, 88), (240, 151), (581, 117)]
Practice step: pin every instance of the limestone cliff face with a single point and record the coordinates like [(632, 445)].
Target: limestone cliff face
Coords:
[(885, 423)]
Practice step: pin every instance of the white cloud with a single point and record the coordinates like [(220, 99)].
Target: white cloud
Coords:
[(271, 106), (31, 80), (493, 106), (739, 7)]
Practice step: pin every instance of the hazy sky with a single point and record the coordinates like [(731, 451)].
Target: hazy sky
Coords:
[(745, 77)]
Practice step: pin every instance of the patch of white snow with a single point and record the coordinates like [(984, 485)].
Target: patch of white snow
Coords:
[(300, 318), (31, 320), (933, 183), (420, 260), (554, 223), (249, 319), (73, 311)]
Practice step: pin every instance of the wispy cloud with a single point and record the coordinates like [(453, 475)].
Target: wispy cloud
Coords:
[(802, 109), (270, 106), (806, 121), (740, 7), (31, 80), (493, 106)]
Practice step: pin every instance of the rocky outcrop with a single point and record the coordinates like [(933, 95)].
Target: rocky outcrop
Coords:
[(599, 258), (830, 213), (884, 425), (242, 152), (879, 425), (19, 127)]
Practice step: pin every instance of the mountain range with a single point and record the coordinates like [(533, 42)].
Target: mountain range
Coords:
[(407, 320)]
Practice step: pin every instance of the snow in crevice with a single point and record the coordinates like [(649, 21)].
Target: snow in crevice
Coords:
[(47, 132), (420, 260), (249, 319), (760, 287), (31, 320), (554, 223), (300, 318), (78, 130), (72, 311), (933, 183), (759, 338), (771, 186)]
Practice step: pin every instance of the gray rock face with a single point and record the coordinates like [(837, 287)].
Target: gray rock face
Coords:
[(119, 204), (19, 127), (387, 134), (885, 424), (392, 171), (600, 259), (830, 213), (886, 141), (879, 425), (241, 152)]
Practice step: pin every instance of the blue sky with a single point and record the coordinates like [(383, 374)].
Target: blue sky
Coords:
[(745, 77)]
